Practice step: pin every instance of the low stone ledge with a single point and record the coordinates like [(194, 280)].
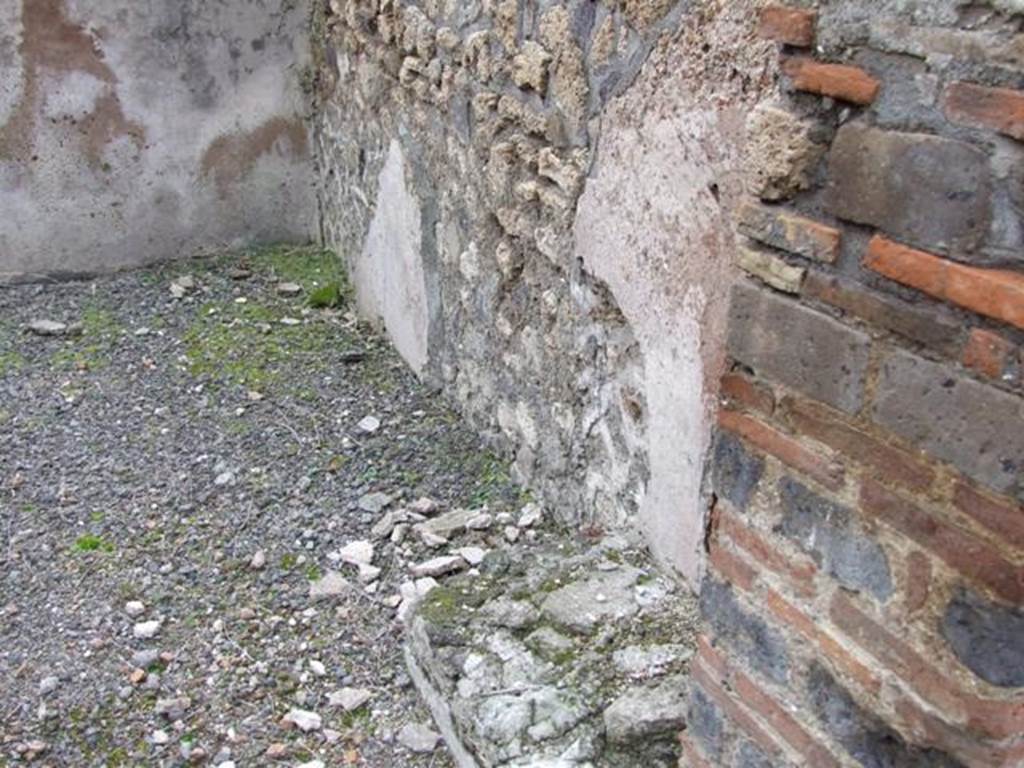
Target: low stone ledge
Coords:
[(556, 655)]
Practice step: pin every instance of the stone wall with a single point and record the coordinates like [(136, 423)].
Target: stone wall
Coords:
[(534, 199), (864, 599), (133, 132), (598, 223)]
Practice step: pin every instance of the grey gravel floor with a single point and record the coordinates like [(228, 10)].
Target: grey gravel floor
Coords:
[(147, 456)]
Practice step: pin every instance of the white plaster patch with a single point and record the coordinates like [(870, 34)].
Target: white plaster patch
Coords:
[(649, 227), (388, 274)]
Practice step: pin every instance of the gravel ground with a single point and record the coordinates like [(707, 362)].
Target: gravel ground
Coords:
[(189, 465)]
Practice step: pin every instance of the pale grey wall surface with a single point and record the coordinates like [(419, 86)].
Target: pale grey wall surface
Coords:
[(134, 131)]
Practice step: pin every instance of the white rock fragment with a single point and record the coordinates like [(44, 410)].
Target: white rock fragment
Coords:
[(47, 328), (144, 630), (349, 699), (530, 515), (304, 720), (368, 573), (356, 553), (312, 764), (375, 502), (368, 425), (333, 584), (423, 506), (438, 566), (317, 668), (417, 737), (472, 555), (134, 608), (259, 560), (289, 289), (159, 737), (511, 534), (49, 684)]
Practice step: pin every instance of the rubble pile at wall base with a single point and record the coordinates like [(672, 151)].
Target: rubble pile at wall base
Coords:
[(556, 654)]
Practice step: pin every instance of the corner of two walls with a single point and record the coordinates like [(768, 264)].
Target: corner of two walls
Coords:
[(133, 133), (536, 204)]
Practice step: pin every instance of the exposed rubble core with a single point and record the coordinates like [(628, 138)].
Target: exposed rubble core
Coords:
[(557, 653)]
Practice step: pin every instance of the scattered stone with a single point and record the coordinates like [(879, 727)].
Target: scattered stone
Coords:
[(450, 523), (549, 641), (643, 662), (159, 737), (472, 555), (531, 515), (332, 584), (146, 629), (399, 533), (431, 539), (259, 560), (48, 685), (312, 764), (145, 658), (134, 608), (424, 506), (224, 478), (642, 712), (47, 328), (368, 573), (511, 534), (356, 553), (276, 751), (290, 321), (374, 503), (172, 708), (480, 522), (368, 425), (304, 720), (317, 668), (239, 273), (576, 607), (417, 737), (289, 289), (439, 566), (349, 699)]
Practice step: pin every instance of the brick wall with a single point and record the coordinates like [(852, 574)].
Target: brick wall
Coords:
[(864, 594)]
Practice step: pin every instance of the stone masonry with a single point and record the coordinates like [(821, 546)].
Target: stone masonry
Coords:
[(746, 276), (863, 604)]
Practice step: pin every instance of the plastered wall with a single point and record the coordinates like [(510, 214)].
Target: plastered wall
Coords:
[(133, 132)]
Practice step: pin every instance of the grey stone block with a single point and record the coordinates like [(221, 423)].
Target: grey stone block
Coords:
[(746, 634), (922, 189), (973, 426), (798, 346), (705, 724), (736, 471), (831, 534), (864, 736), (987, 638)]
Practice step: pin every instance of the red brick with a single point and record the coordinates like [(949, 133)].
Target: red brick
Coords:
[(995, 293), (988, 353), (1000, 109), (918, 581), (792, 617), (783, 723), (992, 718), (963, 551), (786, 449), (798, 571), (732, 568), (830, 428), (706, 652), (929, 730), (792, 26), (737, 388), (839, 81), (1005, 518), (711, 683)]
